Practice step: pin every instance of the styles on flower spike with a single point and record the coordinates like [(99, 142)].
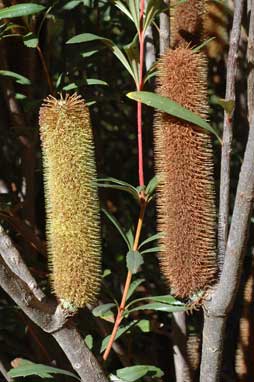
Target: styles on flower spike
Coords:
[(187, 22), (184, 164), (72, 207)]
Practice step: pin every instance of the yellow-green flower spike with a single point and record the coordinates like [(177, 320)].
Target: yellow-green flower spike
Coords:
[(72, 208)]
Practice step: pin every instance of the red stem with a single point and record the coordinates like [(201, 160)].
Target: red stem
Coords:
[(139, 88)]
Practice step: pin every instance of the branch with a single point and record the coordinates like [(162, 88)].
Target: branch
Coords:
[(179, 341), (164, 29), (14, 261), (150, 55), (224, 295), (250, 57), (48, 316), (223, 222)]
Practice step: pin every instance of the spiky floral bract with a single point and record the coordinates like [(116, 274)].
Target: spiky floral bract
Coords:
[(187, 19), (184, 164), (73, 227)]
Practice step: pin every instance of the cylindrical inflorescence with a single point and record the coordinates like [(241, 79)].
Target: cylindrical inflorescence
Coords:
[(72, 207), (184, 164), (187, 22)]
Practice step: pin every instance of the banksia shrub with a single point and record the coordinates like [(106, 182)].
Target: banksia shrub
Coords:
[(184, 164), (187, 21), (72, 207)]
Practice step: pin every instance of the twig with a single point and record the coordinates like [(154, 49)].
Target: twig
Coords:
[(121, 309), (223, 297), (139, 88), (45, 69), (179, 342), (13, 259), (250, 58), (150, 55), (52, 319), (223, 222), (3, 371), (164, 29)]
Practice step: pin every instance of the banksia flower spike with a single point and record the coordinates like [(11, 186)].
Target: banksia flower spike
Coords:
[(187, 21), (184, 164), (72, 206)]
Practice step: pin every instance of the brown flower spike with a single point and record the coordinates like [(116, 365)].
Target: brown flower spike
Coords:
[(187, 22), (184, 163), (73, 227)]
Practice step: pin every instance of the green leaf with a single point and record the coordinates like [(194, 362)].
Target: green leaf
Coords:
[(144, 326), (152, 185), (134, 260), (133, 287), (118, 185), (160, 307), (19, 10), (206, 42), (124, 9), (30, 40), (102, 309), (27, 368), (135, 12), (18, 77), (166, 299), (106, 273), (172, 108), (89, 54), (134, 373), (95, 81), (89, 341), (151, 238), (122, 329), (153, 8), (88, 37), (227, 105), (117, 225), (69, 87), (72, 4), (132, 52), (114, 378), (151, 250)]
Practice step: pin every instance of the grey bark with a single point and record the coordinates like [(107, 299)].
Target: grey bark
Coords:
[(150, 55), (48, 316), (250, 58), (223, 222), (223, 297), (179, 340), (164, 29)]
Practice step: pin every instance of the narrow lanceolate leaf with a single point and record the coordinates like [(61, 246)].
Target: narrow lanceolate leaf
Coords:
[(151, 238), (134, 285), (102, 309), (117, 225), (17, 77), (89, 37), (19, 10), (27, 368), (118, 185), (30, 40), (173, 108), (122, 329), (72, 206), (134, 373), (134, 260), (160, 307)]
